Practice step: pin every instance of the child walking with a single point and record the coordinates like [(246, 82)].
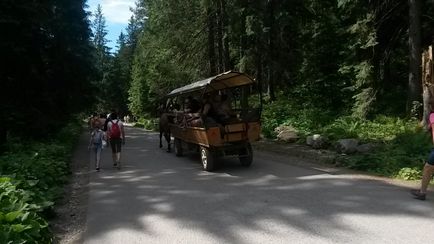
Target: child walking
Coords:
[(97, 138)]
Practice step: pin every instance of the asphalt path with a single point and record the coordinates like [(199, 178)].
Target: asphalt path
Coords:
[(159, 198)]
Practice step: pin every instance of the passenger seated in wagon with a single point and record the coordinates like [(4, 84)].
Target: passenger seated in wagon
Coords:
[(204, 115), (224, 112), (191, 115), (217, 110), (192, 105)]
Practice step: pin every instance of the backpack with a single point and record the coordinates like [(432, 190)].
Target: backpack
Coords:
[(97, 137), (115, 131)]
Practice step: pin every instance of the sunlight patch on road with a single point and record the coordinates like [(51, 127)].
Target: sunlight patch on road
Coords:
[(318, 177), (163, 207), (261, 181)]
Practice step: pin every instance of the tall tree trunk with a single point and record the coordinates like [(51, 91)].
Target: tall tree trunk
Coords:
[(220, 38), (271, 50), (243, 45), (3, 139), (414, 40), (211, 43), (226, 57), (427, 83), (259, 67)]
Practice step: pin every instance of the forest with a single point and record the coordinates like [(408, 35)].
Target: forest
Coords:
[(340, 57), (340, 68)]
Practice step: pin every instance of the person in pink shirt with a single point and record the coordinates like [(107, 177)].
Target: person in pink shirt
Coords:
[(428, 169)]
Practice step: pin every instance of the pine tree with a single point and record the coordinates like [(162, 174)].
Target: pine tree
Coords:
[(46, 78), (99, 40)]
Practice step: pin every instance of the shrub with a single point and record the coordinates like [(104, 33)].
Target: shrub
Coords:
[(147, 123), (305, 120), (20, 218), (32, 177), (409, 173), (401, 144)]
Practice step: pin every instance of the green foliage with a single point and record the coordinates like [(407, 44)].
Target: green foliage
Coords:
[(20, 217), (113, 74), (380, 129), (400, 143), (148, 123), (48, 68), (357, 64), (99, 40), (401, 157), (169, 53), (339, 56), (305, 120), (409, 173), (32, 177), (400, 146), (314, 120)]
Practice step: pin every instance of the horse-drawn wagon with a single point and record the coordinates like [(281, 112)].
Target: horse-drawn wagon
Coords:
[(235, 101)]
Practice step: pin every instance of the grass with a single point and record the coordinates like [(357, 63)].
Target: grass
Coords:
[(402, 146)]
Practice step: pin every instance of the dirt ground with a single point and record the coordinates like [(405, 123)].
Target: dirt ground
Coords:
[(70, 220)]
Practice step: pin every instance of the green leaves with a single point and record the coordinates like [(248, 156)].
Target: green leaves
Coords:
[(410, 173), (401, 147), (48, 71), (33, 175), (11, 216), (20, 221)]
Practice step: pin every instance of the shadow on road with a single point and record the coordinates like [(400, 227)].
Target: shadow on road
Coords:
[(267, 199)]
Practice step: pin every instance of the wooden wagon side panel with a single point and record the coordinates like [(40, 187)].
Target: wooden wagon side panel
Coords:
[(214, 136), (193, 135), (254, 131)]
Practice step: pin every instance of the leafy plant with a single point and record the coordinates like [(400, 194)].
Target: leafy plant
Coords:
[(20, 219), (409, 173), (148, 124), (32, 177)]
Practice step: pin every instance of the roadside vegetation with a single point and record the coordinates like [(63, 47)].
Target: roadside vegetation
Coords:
[(147, 123), (401, 144), (33, 174), (339, 68)]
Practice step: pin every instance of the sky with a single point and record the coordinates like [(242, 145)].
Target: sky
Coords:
[(117, 13)]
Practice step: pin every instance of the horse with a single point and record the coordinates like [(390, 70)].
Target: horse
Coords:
[(164, 128)]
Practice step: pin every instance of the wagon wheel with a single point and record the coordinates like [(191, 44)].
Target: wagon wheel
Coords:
[(246, 155), (178, 147), (207, 158)]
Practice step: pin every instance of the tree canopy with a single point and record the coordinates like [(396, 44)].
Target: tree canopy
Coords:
[(350, 57), (340, 56), (46, 68)]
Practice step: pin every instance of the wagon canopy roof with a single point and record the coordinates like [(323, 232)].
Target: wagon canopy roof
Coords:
[(222, 81)]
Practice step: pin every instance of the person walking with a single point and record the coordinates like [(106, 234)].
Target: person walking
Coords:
[(116, 135), (428, 169), (102, 120), (96, 143), (91, 122)]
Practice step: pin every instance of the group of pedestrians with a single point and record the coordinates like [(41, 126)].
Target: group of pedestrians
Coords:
[(106, 131)]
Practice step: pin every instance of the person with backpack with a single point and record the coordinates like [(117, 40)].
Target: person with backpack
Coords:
[(96, 143), (116, 135)]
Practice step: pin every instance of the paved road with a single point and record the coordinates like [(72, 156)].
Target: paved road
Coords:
[(159, 198)]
